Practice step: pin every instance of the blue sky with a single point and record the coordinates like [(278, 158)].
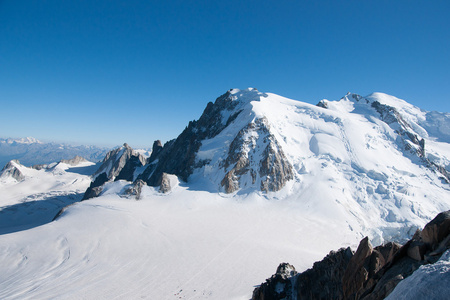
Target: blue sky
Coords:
[(108, 72)]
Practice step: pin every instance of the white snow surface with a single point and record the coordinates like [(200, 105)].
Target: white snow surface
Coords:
[(188, 244), (428, 282), (352, 179), (37, 198)]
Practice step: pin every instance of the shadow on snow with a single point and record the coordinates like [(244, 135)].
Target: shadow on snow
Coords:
[(34, 213)]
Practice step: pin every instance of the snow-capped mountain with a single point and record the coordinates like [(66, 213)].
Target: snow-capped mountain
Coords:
[(369, 158), (31, 151), (257, 180)]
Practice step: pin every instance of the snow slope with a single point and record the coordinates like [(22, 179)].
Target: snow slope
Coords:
[(37, 198), (188, 245), (354, 175), (428, 282)]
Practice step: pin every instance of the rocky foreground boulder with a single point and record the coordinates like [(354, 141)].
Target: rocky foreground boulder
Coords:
[(369, 273)]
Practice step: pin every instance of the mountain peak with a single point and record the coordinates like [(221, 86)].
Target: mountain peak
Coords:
[(359, 151), (12, 170)]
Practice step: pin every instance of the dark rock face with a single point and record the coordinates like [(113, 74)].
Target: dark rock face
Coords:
[(358, 270), (178, 156), (324, 280), (156, 149), (119, 164), (437, 230), (117, 159), (10, 170), (279, 286), (96, 187), (273, 169), (127, 172), (322, 103), (370, 273), (248, 163)]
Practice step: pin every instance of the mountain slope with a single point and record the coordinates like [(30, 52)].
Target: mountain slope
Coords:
[(376, 160), (257, 180)]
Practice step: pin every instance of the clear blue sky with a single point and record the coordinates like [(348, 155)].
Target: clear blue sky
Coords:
[(108, 72)]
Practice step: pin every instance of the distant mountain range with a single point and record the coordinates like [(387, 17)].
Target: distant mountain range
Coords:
[(30, 151)]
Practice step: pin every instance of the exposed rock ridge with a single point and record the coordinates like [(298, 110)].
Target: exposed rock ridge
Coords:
[(247, 162), (412, 142), (255, 158), (370, 273), (178, 156), (135, 189), (323, 281), (118, 164), (279, 286), (393, 118), (11, 170)]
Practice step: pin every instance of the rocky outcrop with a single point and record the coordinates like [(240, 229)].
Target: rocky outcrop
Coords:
[(255, 155), (118, 164), (178, 156), (156, 149), (370, 273), (136, 189), (274, 168), (279, 286), (323, 104), (437, 230), (12, 170), (115, 161), (165, 186), (96, 187), (324, 280), (360, 275), (393, 118)]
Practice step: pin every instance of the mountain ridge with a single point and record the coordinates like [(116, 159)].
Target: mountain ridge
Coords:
[(367, 156)]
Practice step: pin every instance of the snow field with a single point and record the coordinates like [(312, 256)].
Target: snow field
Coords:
[(192, 245)]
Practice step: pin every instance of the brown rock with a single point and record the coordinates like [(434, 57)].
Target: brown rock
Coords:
[(417, 250), (437, 230), (356, 273)]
